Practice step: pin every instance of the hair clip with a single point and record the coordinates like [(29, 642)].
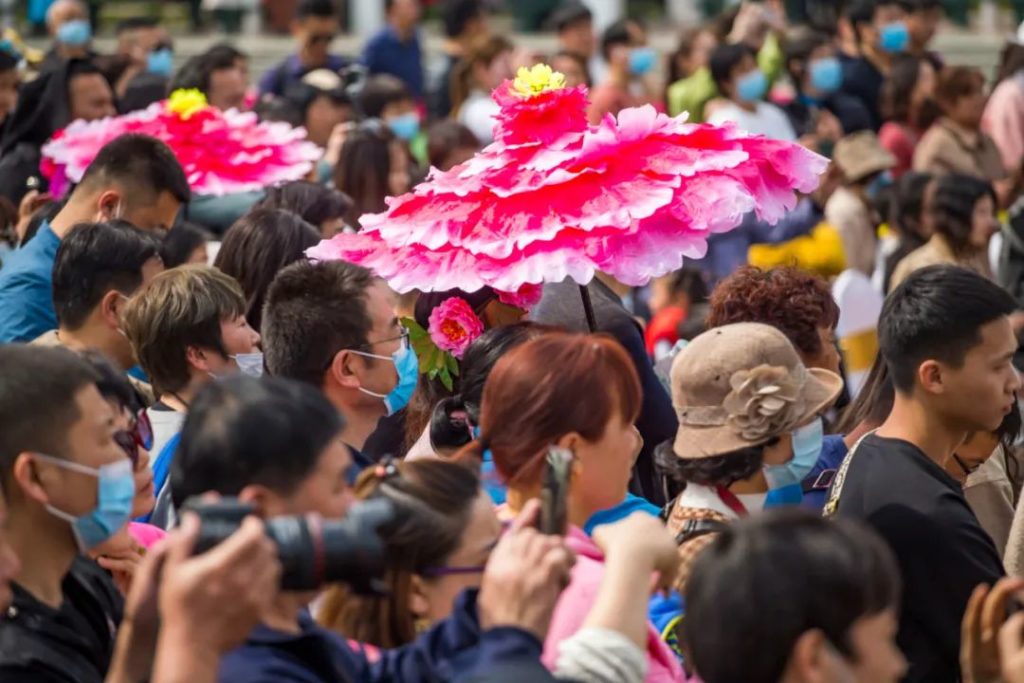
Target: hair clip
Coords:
[(386, 469)]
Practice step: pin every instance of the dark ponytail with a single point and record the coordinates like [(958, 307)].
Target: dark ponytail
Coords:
[(453, 418), (450, 426)]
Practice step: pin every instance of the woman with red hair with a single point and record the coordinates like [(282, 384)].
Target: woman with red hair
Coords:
[(581, 393)]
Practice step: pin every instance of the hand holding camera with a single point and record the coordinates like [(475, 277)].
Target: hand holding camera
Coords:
[(524, 577)]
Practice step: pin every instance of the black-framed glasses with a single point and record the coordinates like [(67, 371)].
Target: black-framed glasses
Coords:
[(403, 337)]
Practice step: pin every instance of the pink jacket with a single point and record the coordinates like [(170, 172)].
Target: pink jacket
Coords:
[(575, 604), (1004, 121)]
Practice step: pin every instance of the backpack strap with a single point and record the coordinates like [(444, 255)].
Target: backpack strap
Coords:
[(832, 504)]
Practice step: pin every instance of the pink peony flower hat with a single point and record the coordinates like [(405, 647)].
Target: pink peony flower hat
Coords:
[(554, 198), (222, 152)]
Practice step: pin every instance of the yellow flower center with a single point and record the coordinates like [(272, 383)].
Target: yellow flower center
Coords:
[(185, 103), (453, 331), (540, 78)]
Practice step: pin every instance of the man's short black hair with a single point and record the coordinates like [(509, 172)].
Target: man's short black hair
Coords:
[(243, 431), (456, 15), (136, 23), (724, 59), (323, 9), (180, 242), (616, 34), (38, 386), (140, 163), (94, 258), (768, 579), (860, 11), (568, 14), (381, 91), (937, 313), (314, 310)]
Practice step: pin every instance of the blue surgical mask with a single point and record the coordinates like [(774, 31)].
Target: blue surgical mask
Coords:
[(408, 368), (160, 62), (642, 60), (249, 363), (875, 187), (74, 33), (807, 442), (115, 489), (752, 87), (894, 37), (826, 75), (405, 127)]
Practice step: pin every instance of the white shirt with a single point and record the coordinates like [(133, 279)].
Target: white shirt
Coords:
[(700, 497), (478, 113), (767, 120)]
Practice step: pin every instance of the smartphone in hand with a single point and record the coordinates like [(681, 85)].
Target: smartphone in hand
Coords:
[(554, 514)]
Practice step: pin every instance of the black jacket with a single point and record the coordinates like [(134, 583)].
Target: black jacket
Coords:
[(852, 114), (562, 306), (73, 644)]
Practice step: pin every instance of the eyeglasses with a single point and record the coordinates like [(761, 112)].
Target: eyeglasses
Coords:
[(139, 435), (404, 337)]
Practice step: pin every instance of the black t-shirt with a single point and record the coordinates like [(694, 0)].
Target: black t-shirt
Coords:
[(72, 644), (943, 552), (863, 80)]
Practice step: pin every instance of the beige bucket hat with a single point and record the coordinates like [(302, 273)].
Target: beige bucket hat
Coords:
[(741, 385)]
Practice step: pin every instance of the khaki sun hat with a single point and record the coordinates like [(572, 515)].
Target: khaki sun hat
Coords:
[(742, 385), (860, 155)]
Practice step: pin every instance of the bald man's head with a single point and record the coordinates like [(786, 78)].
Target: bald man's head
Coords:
[(63, 11)]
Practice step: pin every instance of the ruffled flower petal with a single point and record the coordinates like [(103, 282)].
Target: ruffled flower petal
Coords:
[(220, 152), (553, 198)]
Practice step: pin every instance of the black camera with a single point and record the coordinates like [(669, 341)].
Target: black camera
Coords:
[(313, 550)]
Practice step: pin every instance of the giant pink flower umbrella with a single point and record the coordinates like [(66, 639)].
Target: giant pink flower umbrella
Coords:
[(555, 198)]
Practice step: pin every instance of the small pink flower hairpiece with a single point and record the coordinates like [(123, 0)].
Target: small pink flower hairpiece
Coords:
[(454, 326)]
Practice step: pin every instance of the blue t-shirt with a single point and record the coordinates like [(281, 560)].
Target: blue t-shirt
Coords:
[(386, 53), (26, 289), (621, 511)]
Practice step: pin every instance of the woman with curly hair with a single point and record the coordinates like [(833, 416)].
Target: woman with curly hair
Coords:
[(795, 302), (800, 305), (749, 429)]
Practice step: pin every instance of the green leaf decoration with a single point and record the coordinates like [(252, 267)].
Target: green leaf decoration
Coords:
[(434, 363)]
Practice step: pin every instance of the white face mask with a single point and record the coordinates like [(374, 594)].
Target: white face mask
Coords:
[(249, 363)]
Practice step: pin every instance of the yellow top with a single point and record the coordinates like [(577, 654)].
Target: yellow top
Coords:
[(185, 103), (540, 78)]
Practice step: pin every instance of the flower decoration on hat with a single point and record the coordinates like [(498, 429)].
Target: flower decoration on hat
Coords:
[(453, 326), (763, 402), (555, 198), (222, 152)]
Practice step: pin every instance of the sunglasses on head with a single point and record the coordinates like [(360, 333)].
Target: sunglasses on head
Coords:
[(139, 435)]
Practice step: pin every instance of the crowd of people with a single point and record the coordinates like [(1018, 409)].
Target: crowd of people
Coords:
[(797, 459)]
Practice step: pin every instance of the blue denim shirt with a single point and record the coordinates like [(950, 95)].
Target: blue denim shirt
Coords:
[(26, 289)]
